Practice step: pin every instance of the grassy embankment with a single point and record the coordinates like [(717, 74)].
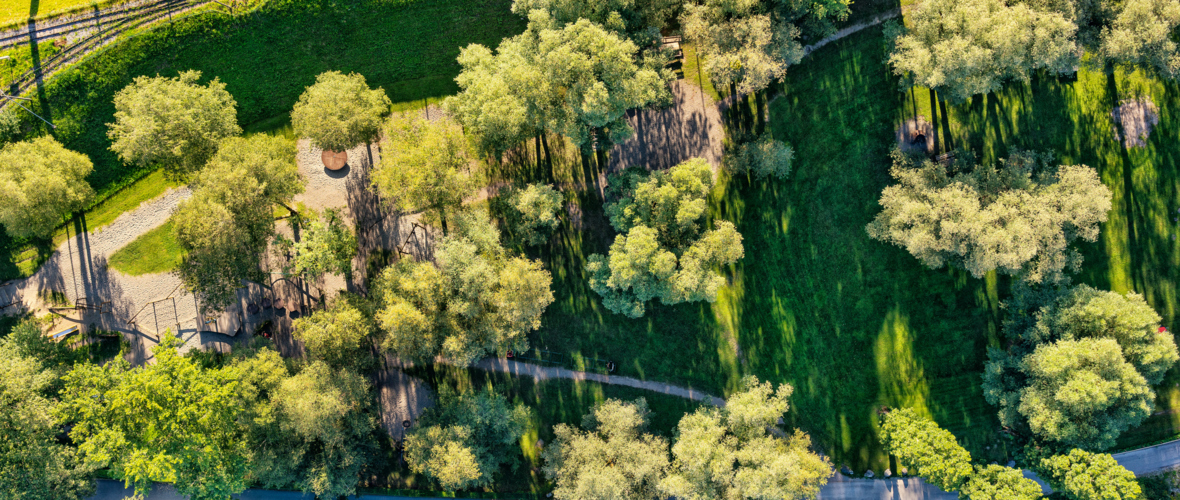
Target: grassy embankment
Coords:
[(266, 57)]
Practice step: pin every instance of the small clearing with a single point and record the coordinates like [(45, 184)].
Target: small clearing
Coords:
[(1136, 118)]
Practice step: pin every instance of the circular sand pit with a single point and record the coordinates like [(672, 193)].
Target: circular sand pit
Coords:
[(1136, 118), (916, 136)]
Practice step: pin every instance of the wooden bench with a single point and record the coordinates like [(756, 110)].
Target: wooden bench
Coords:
[(57, 337)]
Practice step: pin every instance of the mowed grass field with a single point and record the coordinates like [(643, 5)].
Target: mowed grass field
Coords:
[(854, 324), (266, 57)]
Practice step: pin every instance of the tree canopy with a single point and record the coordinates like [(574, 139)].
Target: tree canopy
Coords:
[(762, 158), (41, 182), (961, 48), (340, 111), (476, 301), (1081, 367), (748, 44), (226, 225), (327, 245), (576, 79), (33, 465), (312, 431), (172, 421), (174, 122), (339, 335), (920, 443), (1017, 218), (1081, 475), (427, 166), (613, 458), (462, 442), (664, 250), (531, 213), (728, 453)]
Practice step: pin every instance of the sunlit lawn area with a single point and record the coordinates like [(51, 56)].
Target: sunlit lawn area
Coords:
[(855, 324), (155, 251), (15, 11)]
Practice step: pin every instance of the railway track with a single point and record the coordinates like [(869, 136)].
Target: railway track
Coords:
[(96, 33)]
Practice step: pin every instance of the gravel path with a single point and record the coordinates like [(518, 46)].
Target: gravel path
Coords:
[(537, 372)]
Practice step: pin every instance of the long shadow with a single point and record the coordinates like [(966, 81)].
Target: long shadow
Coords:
[(38, 75)]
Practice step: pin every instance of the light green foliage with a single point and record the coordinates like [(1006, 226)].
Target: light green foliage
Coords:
[(664, 252), (312, 431), (497, 105), (613, 458), (327, 245), (463, 441), (339, 334), (1141, 35), (728, 453), (919, 443), (33, 466), (173, 122), (41, 182), (765, 157), (640, 19), (225, 226), (577, 80), (169, 421), (27, 340), (1081, 475), (9, 124), (476, 301), (1086, 312), (1081, 370), (531, 212), (1018, 218), (961, 48), (995, 482), (426, 165), (741, 44), (1083, 393), (340, 111), (328, 412)]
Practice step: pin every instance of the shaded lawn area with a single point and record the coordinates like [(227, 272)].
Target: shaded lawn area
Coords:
[(266, 58), (553, 402), (1137, 250)]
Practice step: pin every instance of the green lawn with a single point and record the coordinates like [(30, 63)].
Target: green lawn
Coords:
[(155, 251), (14, 12), (266, 57), (855, 324)]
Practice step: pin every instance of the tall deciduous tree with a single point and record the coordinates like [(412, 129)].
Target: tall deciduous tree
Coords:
[(728, 453), (1081, 475), (33, 465), (578, 80), (1018, 218), (477, 300), (41, 182), (327, 245), (426, 166), (530, 212), (966, 47), (743, 44), (172, 421), (664, 250), (1141, 34), (463, 441), (1081, 365), (174, 122), (339, 111), (338, 335), (613, 458), (919, 443), (227, 224)]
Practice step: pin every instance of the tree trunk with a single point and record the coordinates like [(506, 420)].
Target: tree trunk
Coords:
[(934, 119), (537, 143), (600, 149), (548, 156)]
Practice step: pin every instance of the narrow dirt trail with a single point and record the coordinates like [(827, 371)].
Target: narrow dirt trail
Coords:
[(537, 372)]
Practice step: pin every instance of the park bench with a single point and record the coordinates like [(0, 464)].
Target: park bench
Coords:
[(57, 337)]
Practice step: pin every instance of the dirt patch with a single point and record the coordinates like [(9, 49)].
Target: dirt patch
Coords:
[(690, 128), (1136, 118), (916, 135), (402, 397)]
